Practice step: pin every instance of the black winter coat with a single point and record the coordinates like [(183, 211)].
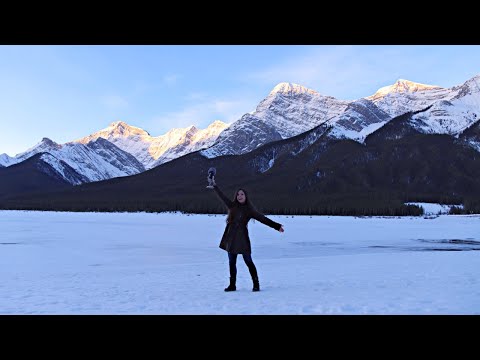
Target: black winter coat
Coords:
[(235, 238)]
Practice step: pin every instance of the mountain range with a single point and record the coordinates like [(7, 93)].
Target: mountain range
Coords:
[(121, 150), (296, 143)]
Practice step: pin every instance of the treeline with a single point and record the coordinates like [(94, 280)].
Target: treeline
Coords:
[(370, 204), (470, 206)]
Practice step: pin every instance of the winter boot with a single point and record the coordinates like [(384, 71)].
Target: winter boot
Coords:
[(256, 284), (232, 286)]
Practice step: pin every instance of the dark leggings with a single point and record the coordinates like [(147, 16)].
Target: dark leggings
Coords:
[(232, 262)]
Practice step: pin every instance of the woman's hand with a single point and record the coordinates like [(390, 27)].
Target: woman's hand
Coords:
[(281, 229)]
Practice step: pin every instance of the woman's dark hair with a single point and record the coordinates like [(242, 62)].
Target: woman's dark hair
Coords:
[(248, 203)]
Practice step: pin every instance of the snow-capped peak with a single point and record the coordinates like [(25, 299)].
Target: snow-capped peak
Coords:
[(177, 133), (217, 124), (120, 128), (472, 84), (179, 142), (115, 130), (148, 149), (291, 89), (209, 134), (402, 86), (475, 78), (45, 145), (48, 141), (213, 130), (6, 160)]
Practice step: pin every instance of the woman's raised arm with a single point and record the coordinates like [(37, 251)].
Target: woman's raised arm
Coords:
[(229, 203)]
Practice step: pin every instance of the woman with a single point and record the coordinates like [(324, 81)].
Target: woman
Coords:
[(235, 239)]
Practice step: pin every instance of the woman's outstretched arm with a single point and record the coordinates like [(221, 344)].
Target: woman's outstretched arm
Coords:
[(265, 220), (229, 203)]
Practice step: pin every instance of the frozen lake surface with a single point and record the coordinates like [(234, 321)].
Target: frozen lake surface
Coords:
[(143, 263)]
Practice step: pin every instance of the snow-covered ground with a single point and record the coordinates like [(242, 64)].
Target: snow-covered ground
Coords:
[(140, 263)]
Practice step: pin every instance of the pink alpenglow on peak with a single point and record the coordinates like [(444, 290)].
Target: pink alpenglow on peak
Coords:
[(154, 150), (402, 86)]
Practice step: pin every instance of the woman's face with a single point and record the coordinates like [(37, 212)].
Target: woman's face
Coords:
[(241, 197)]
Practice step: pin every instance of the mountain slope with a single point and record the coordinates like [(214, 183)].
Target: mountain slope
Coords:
[(291, 109), (288, 110), (455, 113), (39, 173), (153, 151), (471, 136), (313, 172), (405, 96), (6, 160), (95, 161), (450, 110)]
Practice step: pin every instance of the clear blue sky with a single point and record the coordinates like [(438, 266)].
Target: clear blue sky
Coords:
[(67, 92)]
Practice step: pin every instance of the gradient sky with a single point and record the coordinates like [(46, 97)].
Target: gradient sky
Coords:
[(68, 92)]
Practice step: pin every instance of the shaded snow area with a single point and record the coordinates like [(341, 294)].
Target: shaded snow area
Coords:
[(140, 263)]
